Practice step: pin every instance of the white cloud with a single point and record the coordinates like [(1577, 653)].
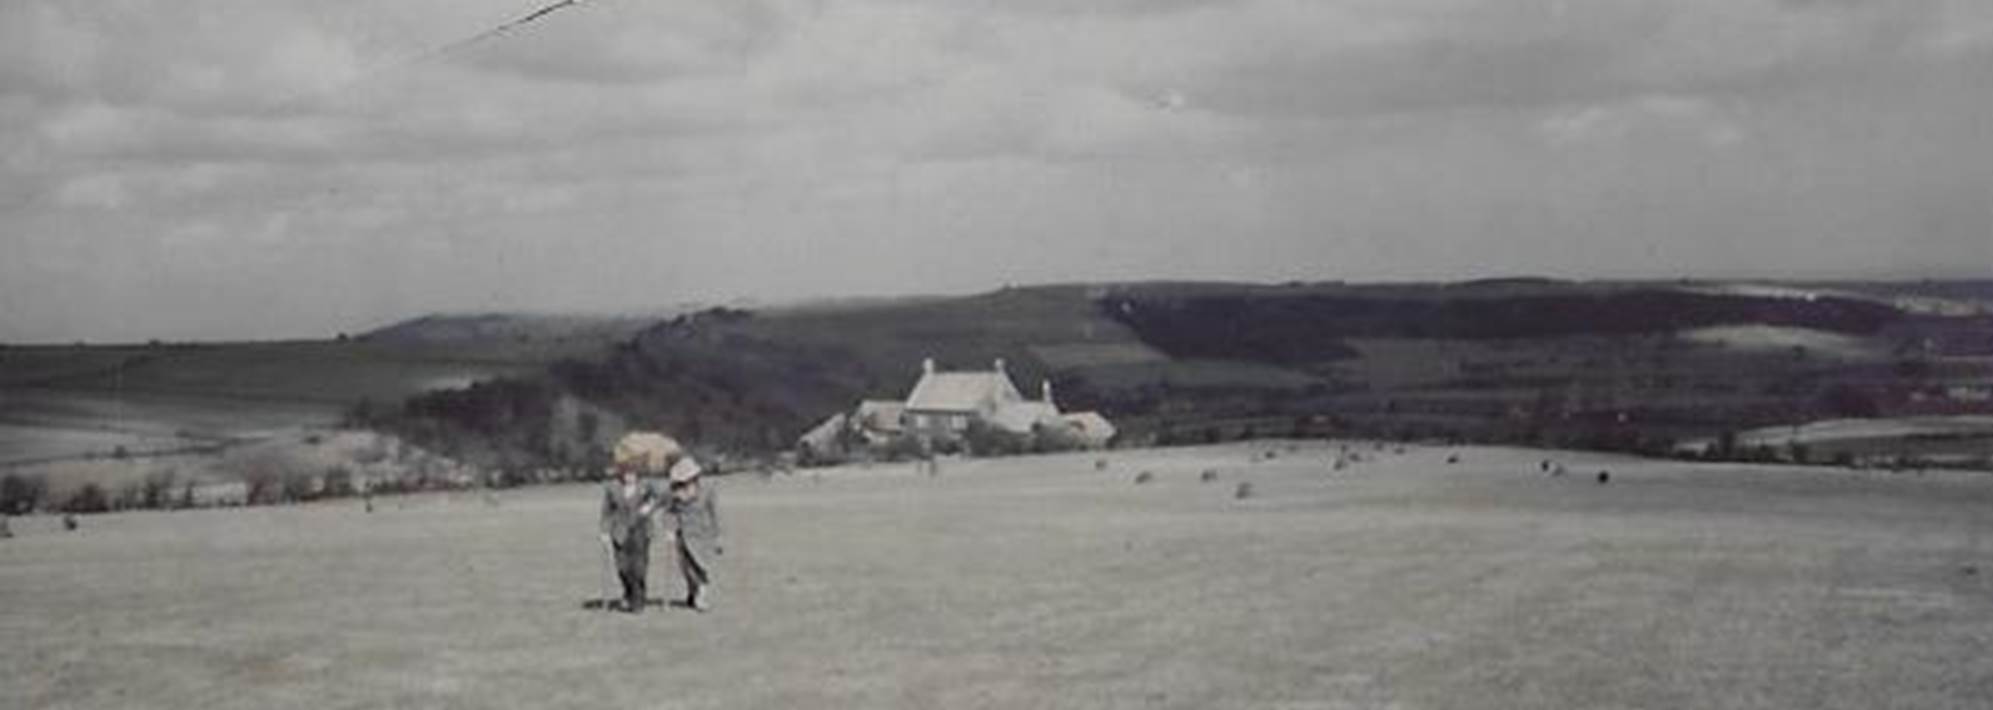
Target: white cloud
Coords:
[(1662, 116), (105, 192), (728, 128)]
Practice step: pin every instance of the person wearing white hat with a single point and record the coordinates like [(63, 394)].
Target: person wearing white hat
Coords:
[(692, 524), (627, 504)]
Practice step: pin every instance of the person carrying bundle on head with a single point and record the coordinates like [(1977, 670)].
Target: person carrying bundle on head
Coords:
[(627, 504), (692, 525)]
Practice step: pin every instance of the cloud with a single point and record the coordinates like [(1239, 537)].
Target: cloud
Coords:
[(1383, 137), (1655, 115), (94, 192)]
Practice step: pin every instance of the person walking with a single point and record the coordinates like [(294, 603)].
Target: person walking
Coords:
[(627, 504), (692, 524)]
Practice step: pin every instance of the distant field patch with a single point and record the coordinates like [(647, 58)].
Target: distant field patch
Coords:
[(1199, 373), (31, 443), (1852, 429), (1082, 355), (1772, 337)]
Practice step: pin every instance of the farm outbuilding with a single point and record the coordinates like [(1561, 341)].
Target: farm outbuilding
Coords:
[(1090, 427), (879, 419)]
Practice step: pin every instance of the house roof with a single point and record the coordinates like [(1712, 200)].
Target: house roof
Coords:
[(824, 435), (961, 391)]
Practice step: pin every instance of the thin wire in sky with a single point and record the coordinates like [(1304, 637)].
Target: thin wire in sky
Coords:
[(445, 50)]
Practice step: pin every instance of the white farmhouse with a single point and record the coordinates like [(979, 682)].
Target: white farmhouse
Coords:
[(944, 405)]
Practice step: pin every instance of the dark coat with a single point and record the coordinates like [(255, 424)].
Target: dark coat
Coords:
[(626, 516)]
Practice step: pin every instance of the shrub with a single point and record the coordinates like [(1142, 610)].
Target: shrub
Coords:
[(21, 494), (338, 482), (156, 488), (88, 499), (985, 440), (902, 448), (298, 488)]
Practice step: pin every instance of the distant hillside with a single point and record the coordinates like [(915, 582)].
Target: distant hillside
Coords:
[(1307, 325), (1620, 365), (440, 329), (75, 401)]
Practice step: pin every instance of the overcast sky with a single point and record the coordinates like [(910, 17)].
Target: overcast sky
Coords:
[(285, 168)]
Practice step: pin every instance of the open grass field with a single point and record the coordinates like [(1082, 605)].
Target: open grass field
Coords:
[(1399, 582)]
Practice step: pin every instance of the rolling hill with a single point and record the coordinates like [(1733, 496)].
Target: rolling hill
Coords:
[(1620, 365), (1642, 366)]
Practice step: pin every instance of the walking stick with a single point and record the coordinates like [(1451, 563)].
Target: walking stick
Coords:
[(608, 572)]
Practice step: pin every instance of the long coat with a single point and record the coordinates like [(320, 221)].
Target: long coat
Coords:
[(624, 517), (697, 521)]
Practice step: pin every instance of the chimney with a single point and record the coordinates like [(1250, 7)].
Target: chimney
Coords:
[(1045, 392), (999, 367), (927, 366)]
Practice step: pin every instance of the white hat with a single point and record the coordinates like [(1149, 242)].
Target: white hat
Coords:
[(685, 470), (648, 450)]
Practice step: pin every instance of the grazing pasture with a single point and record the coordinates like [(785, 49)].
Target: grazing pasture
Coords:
[(1397, 581)]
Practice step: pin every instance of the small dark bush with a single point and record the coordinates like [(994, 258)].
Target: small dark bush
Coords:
[(88, 499)]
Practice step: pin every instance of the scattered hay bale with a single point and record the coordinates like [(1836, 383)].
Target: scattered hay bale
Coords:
[(1453, 458), (1100, 464), (1209, 475), (69, 521), (1604, 477), (1243, 491), (1144, 477), (1543, 465)]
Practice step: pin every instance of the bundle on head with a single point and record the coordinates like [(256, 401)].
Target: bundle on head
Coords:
[(646, 452)]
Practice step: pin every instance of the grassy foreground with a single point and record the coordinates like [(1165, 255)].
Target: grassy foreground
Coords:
[(1399, 582)]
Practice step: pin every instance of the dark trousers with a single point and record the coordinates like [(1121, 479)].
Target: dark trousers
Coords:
[(632, 567)]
